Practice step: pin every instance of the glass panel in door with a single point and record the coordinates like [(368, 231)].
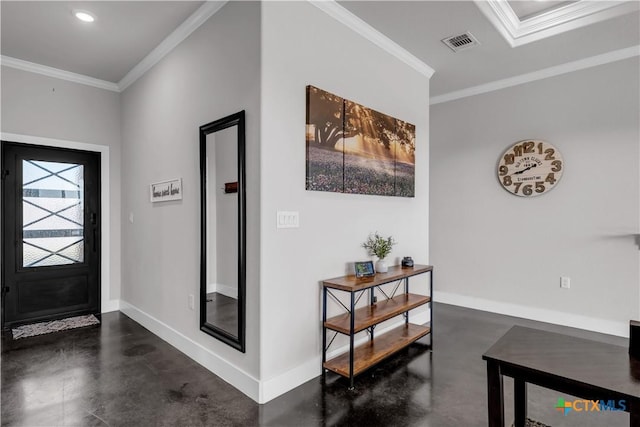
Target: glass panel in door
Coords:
[(53, 213)]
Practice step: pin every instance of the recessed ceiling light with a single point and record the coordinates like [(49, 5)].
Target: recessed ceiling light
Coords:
[(84, 16)]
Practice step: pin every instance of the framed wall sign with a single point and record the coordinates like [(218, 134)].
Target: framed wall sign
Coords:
[(166, 190)]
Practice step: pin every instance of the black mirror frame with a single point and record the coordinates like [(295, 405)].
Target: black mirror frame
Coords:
[(237, 342)]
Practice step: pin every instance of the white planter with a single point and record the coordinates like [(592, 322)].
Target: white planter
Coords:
[(381, 266)]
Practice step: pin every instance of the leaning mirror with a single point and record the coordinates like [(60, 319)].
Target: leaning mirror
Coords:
[(223, 228)]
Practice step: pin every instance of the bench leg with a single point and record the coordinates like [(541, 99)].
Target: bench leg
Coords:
[(496, 395), (520, 401)]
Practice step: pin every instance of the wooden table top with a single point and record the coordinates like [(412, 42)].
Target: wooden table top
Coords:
[(352, 283), (580, 360)]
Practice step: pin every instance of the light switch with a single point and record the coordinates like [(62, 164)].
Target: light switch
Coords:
[(288, 219)]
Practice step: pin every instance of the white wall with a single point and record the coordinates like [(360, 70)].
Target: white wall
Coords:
[(504, 253), (213, 73), (49, 111), (301, 46)]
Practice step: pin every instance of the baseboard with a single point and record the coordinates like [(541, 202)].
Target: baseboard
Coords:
[(229, 291), (226, 290), (260, 391), (610, 327), (239, 379), (279, 385), (111, 305)]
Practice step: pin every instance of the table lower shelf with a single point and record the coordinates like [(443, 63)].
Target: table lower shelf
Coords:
[(372, 352)]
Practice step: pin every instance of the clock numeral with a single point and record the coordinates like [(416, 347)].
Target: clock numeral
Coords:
[(539, 147), (557, 166), (527, 190), (507, 180), (509, 159), (539, 187), (549, 154), (503, 170), (528, 147), (518, 184), (517, 151), (551, 179)]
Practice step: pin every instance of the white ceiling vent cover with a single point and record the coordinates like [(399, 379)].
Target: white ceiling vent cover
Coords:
[(461, 42)]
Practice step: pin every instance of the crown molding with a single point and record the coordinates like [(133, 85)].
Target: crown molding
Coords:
[(557, 21), (581, 64), (342, 15), (184, 30), (32, 67)]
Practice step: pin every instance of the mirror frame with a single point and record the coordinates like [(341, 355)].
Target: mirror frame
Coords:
[(237, 342)]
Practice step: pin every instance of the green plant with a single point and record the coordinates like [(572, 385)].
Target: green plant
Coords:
[(378, 245)]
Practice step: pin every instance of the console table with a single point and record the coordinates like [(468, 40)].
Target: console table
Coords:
[(588, 369), (360, 358)]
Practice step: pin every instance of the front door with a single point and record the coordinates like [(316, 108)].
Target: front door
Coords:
[(50, 233)]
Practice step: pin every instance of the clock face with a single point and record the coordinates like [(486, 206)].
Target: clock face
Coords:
[(530, 168)]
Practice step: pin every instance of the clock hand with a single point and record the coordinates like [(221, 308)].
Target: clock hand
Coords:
[(525, 169)]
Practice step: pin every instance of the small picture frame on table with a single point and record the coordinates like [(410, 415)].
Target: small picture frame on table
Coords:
[(364, 269)]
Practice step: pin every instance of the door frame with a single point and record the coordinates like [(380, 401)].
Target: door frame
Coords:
[(106, 303)]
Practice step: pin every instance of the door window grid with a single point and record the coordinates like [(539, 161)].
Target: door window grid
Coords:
[(53, 219)]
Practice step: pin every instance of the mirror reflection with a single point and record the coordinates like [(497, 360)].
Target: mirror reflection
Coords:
[(222, 275), (222, 230)]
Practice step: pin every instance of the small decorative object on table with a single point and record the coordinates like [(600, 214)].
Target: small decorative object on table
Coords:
[(364, 269), (407, 262), (380, 247)]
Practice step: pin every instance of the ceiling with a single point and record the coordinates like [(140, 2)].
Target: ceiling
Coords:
[(125, 32)]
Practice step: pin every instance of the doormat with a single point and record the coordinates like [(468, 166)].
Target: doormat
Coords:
[(531, 423), (42, 328)]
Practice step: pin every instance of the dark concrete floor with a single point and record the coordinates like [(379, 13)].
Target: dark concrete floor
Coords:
[(119, 374)]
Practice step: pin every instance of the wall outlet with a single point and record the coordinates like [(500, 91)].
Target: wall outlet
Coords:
[(191, 302), (565, 282)]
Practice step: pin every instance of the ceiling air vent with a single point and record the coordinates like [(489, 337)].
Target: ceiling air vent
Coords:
[(461, 42)]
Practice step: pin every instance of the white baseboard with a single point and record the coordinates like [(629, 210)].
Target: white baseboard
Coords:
[(110, 305), (230, 291), (211, 288), (219, 366), (260, 391), (226, 290), (610, 327), (287, 381)]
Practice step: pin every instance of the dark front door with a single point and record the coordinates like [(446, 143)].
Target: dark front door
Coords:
[(50, 233)]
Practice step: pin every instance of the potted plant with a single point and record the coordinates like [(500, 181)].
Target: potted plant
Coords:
[(379, 246)]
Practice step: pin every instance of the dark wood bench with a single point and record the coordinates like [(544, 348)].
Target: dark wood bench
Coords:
[(587, 369)]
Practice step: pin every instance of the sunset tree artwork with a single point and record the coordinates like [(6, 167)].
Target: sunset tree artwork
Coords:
[(354, 149)]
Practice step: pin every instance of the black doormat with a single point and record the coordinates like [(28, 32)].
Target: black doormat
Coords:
[(533, 423), (42, 328)]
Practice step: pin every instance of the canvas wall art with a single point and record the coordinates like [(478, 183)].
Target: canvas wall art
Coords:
[(354, 149)]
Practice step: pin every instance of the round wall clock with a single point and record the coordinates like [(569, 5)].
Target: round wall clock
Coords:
[(530, 168)]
